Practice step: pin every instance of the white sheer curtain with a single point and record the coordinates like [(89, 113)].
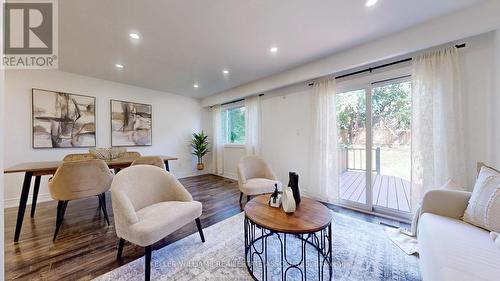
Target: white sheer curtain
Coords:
[(253, 125), (324, 152), (437, 135), (218, 141)]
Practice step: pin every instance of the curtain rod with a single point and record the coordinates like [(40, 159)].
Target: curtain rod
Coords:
[(238, 100), (371, 69)]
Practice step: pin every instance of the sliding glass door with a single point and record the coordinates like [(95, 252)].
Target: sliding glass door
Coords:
[(352, 131), (374, 125), (391, 141)]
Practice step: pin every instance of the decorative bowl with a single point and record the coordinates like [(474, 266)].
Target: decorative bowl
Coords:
[(109, 154)]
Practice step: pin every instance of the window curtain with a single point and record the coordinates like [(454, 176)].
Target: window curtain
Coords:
[(218, 141), (253, 125), (437, 135), (324, 175)]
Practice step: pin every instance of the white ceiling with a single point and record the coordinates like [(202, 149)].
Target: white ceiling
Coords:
[(183, 42)]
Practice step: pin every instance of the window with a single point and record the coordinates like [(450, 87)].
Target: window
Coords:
[(233, 125)]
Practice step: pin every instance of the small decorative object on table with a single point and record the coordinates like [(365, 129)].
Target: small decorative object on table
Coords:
[(288, 201), (275, 199), (108, 153), (293, 183)]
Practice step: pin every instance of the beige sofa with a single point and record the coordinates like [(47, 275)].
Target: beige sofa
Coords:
[(451, 249)]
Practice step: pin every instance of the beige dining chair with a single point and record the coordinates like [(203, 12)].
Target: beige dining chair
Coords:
[(76, 180), (149, 203), (149, 160), (255, 177)]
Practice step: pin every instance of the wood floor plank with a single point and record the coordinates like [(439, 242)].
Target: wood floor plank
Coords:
[(346, 182), (355, 185), (392, 199), (377, 181), (400, 194), (383, 192), (360, 194), (406, 192)]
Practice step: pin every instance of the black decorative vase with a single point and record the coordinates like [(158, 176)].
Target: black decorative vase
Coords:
[(293, 183)]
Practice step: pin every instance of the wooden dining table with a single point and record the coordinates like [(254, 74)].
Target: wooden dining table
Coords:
[(43, 168)]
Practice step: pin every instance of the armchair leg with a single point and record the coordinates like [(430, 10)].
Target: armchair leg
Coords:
[(104, 200), (241, 196), (103, 206), (121, 243), (200, 230), (61, 209), (147, 272)]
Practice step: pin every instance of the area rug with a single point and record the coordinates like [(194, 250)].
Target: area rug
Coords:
[(361, 251)]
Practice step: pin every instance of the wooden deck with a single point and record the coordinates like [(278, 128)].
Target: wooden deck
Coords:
[(388, 191)]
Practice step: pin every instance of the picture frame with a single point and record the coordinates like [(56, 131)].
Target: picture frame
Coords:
[(62, 120), (131, 123)]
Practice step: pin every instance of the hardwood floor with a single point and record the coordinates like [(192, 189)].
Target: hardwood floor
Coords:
[(86, 247)]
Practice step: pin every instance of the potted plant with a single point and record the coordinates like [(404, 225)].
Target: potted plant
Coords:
[(199, 144)]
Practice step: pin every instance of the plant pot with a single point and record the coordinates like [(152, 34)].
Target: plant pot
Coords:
[(200, 166)]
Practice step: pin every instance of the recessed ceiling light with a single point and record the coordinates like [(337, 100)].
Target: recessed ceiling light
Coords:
[(119, 65), (370, 3), (134, 36), (273, 50), (225, 72), (195, 85)]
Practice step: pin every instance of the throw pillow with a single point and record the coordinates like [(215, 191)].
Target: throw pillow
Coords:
[(496, 238), (452, 185), (483, 209)]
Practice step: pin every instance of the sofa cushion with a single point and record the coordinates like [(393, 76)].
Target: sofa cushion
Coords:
[(484, 205), (451, 249)]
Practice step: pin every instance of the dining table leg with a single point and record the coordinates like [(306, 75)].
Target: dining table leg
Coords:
[(36, 188), (22, 204)]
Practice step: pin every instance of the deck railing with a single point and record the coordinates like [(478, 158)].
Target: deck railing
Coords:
[(354, 159)]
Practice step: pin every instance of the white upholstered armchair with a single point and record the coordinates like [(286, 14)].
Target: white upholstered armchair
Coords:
[(149, 203), (255, 177)]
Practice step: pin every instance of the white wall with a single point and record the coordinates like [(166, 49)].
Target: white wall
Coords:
[(495, 105), (175, 118), (477, 74), (286, 127), (232, 155), (286, 120), (480, 18)]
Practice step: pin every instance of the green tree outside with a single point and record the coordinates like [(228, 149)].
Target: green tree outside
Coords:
[(236, 125)]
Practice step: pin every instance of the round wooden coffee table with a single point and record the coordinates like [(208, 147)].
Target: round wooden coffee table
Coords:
[(309, 228)]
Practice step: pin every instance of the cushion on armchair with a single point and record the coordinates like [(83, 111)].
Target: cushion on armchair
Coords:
[(259, 186), (483, 209)]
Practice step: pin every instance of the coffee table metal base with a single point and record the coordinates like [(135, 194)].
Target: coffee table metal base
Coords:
[(256, 252)]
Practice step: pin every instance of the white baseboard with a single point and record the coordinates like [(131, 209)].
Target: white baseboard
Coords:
[(14, 202), (187, 175), (232, 176)]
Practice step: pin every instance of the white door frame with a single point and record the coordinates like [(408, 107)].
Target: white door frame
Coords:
[(367, 82)]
